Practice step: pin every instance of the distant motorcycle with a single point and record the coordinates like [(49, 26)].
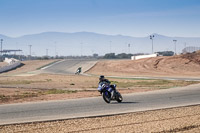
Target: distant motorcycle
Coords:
[(109, 93), (78, 71)]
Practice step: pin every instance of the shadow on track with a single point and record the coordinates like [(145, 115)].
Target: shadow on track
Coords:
[(125, 103)]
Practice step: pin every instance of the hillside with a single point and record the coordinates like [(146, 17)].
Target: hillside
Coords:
[(187, 65)]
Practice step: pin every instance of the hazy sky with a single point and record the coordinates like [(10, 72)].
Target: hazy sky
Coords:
[(136, 18)]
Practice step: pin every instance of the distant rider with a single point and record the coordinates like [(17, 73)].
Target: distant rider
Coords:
[(78, 71)]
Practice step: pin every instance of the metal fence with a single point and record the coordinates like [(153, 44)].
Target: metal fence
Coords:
[(190, 49)]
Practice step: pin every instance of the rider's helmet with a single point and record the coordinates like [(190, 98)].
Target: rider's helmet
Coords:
[(101, 78)]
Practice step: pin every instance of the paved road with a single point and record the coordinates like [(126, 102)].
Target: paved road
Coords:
[(69, 66), (28, 112)]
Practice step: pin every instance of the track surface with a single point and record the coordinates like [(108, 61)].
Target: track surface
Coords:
[(41, 111), (69, 66)]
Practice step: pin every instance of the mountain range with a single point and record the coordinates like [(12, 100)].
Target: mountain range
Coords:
[(88, 43)]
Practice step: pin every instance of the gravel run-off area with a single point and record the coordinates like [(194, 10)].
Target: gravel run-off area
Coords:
[(181, 119)]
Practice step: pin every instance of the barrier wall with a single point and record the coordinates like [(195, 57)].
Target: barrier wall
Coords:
[(12, 64), (143, 56)]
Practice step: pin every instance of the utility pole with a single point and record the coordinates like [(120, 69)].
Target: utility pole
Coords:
[(110, 47), (185, 48), (151, 37), (1, 45), (55, 50), (81, 49), (129, 45), (47, 52), (185, 45), (174, 46), (30, 51)]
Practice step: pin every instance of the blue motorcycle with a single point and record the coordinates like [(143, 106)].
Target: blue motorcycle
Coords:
[(109, 93)]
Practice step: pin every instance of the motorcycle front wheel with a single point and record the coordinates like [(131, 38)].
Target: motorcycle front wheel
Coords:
[(106, 96)]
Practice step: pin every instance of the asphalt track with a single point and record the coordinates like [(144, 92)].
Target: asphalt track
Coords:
[(69, 66), (88, 107)]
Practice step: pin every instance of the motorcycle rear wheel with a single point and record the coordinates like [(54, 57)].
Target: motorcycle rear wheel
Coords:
[(119, 97)]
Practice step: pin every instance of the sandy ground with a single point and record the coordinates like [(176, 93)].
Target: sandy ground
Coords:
[(187, 65), (182, 119), (32, 95), (44, 87)]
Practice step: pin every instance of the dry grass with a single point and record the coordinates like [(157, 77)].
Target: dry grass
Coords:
[(159, 84), (59, 87), (29, 94)]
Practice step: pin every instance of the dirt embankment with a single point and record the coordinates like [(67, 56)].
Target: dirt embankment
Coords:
[(187, 65), (28, 66)]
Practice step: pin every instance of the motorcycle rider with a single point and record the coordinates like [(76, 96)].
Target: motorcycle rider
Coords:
[(78, 71), (103, 83)]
